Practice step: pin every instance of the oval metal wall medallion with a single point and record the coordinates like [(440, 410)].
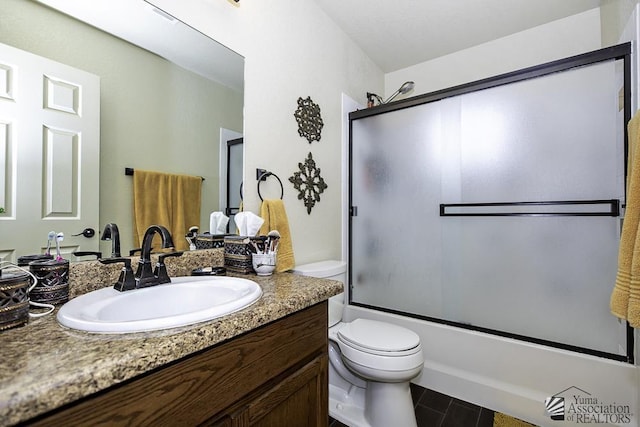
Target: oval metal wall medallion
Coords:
[(309, 120)]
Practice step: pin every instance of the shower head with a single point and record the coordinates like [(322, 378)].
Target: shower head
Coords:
[(372, 97), (406, 87)]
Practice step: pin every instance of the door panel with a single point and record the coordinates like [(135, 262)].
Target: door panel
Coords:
[(49, 154)]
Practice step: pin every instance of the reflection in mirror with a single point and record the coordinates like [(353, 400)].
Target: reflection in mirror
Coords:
[(155, 114), (234, 188)]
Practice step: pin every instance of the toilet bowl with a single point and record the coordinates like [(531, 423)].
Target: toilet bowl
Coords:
[(371, 363)]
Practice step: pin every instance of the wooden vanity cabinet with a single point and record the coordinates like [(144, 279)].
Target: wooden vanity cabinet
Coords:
[(292, 401), (275, 375)]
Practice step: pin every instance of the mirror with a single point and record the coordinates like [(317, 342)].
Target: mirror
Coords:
[(164, 106)]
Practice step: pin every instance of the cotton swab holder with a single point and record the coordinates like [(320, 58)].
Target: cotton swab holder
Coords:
[(14, 298), (264, 264), (53, 281)]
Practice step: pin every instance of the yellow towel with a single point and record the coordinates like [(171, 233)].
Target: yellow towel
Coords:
[(275, 218), (240, 209), (166, 199), (625, 298)]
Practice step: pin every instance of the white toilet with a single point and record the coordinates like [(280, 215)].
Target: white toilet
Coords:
[(371, 362)]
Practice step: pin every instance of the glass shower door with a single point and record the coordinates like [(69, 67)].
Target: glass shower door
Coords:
[(545, 276)]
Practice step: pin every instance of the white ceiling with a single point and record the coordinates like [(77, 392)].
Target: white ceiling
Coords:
[(398, 33)]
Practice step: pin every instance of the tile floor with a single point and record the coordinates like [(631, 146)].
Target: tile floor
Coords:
[(435, 409)]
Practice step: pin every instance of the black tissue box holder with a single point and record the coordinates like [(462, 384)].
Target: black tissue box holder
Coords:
[(14, 299), (237, 253), (210, 241)]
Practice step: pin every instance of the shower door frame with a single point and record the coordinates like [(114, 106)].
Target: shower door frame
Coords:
[(618, 52)]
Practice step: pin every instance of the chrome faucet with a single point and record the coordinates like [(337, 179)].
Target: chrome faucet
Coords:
[(111, 232), (145, 276)]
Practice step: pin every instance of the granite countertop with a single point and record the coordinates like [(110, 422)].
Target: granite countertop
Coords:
[(44, 365)]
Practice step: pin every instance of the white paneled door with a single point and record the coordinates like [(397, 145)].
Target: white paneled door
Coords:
[(49, 154)]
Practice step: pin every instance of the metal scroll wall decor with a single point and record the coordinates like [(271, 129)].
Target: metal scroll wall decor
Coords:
[(308, 182), (309, 120)]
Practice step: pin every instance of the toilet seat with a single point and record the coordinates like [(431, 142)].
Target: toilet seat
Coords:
[(378, 349), (380, 338)]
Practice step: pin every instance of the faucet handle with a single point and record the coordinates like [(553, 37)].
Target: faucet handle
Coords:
[(126, 281), (161, 269), (98, 255)]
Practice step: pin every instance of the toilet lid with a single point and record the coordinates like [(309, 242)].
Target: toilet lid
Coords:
[(378, 336)]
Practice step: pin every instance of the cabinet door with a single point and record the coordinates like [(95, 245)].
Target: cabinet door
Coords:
[(301, 399)]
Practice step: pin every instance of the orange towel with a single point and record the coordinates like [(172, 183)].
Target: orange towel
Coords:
[(166, 199), (625, 298), (275, 218)]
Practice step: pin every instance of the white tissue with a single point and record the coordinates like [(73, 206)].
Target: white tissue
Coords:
[(248, 223), (218, 223)]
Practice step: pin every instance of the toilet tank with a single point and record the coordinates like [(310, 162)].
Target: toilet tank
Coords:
[(331, 269)]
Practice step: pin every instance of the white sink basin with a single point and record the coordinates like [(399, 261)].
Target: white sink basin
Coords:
[(184, 301)]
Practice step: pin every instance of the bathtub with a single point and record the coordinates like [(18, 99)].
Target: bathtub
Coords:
[(516, 377)]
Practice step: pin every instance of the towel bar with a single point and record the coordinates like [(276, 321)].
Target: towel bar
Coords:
[(129, 172)]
